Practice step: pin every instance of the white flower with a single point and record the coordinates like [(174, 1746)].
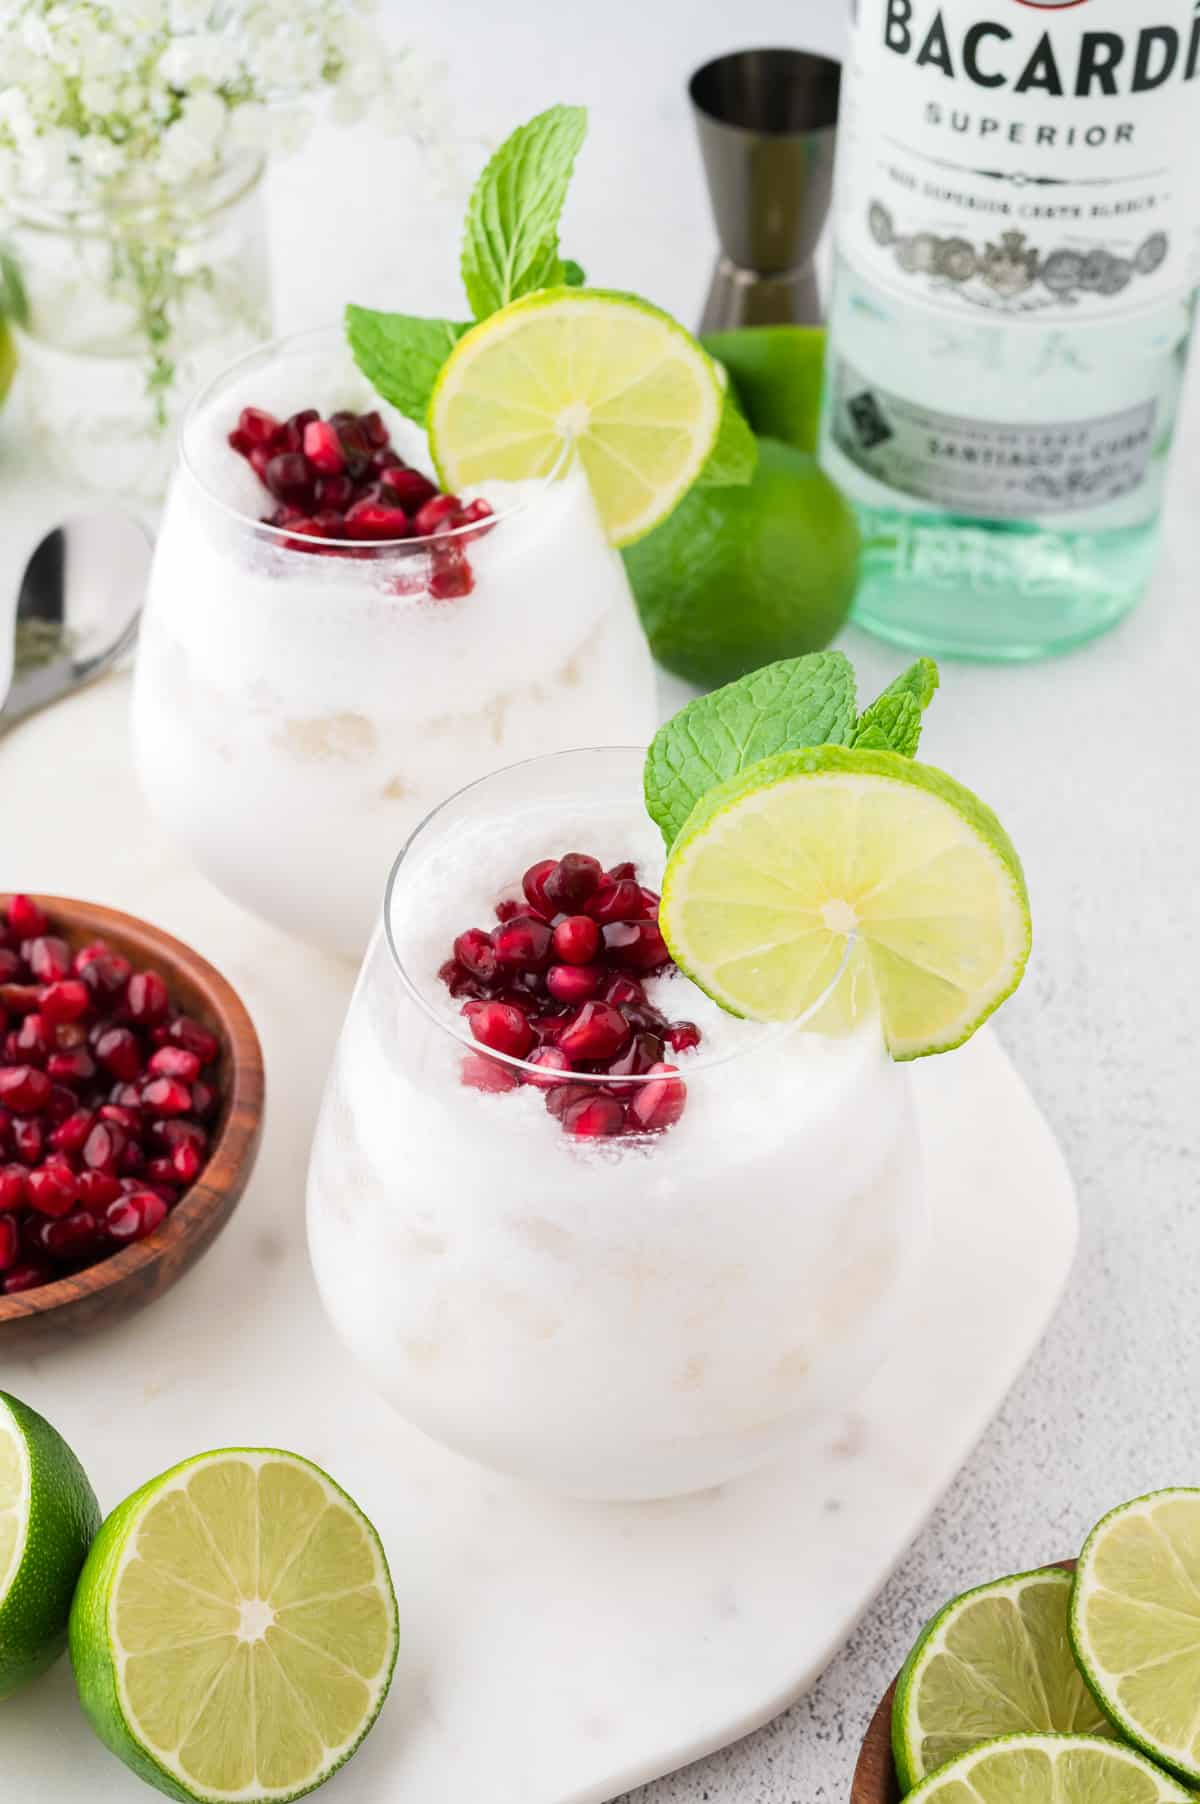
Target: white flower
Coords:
[(250, 127), (100, 157), (99, 95)]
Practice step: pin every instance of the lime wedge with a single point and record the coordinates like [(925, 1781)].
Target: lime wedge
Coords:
[(1135, 1624), (1049, 1769), (48, 1518), (623, 382), (997, 1661), (234, 1631), (778, 868)]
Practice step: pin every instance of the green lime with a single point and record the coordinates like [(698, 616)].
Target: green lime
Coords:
[(48, 1517), (742, 577), (1049, 1769), (777, 374), (777, 870), (611, 374), (1135, 1624), (8, 360), (996, 1661), (234, 1630)]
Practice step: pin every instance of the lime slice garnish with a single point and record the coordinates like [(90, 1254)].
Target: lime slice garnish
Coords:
[(623, 382), (48, 1517), (1135, 1624), (997, 1661), (1049, 1769), (776, 869), (234, 1632)]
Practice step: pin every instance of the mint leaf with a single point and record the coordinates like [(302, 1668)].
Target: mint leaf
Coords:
[(734, 458), (892, 723), (572, 274), (803, 701), (510, 242), (401, 355)]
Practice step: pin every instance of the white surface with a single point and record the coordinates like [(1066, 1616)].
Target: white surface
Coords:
[(642, 1634)]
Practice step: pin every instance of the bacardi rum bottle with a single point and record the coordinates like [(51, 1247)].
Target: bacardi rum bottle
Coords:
[(1018, 232)]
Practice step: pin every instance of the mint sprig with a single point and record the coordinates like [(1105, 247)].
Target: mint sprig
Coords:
[(510, 244), (802, 701), (893, 721), (401, 355)]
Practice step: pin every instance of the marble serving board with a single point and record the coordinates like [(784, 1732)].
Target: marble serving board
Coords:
[(551, 1652)]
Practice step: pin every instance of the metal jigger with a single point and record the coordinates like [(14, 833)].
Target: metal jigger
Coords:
[(767, 121)]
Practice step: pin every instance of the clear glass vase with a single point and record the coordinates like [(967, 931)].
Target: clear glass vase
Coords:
[(120, 316), (642, 1290)]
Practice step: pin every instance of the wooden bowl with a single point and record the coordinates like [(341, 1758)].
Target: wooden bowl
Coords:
[(874, 1779), (139, 1273)]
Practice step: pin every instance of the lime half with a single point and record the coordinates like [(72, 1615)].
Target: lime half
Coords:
[(1049, 1769), (997, 1661), (613, 375), (234, 1631), (776, 870), (1135, 1624), (48, 1518)]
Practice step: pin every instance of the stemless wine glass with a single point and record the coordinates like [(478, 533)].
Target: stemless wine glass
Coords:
[(629, 1317), (300, 703)]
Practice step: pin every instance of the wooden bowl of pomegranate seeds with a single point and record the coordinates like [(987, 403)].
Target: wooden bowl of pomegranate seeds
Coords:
[(131, 1103)]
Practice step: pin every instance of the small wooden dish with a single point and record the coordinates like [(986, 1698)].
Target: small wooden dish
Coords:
[(140, 1273), (874, 1779)]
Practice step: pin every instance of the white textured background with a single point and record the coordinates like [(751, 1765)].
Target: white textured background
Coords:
[(1093, 762)]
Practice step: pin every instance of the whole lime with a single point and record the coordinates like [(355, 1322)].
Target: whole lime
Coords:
[(736, 578), (777, 374)]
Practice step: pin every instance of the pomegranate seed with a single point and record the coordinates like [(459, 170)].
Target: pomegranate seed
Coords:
[(31, 1042), (508, 909), (438, 511), (682, 1036), (10, 1242), (135, 1215), (522, 943), (534, 885), (475, 512), (63, 1102), (186, 1163), (69, 1136), (71, 1067), (175, 1061), (638, 945), (458, 979), (502, 1027), (659, 1104), (10, 964), (643, 1052), (623, 873), (596, 1118), (126, 1096), (29, 1276), (369, 519), (572, 880), (290, 478), (13, 1194), (290, 436), (561, 1097), (166, 1096), (479, 1073), (575, 983), (49, 958), (548, 1027), (195, 1038), (204, 1101), (257, 427), (334, 495), (97, 1189), (24, 1090), (130, 1120), (118, 1051), (598, 1031), (552, 1061), (616, 902), (161, 1170), (179, 1133), (625, 992), (323, 448), (258, 459), (577, 940), (147, 998), (377, 433), (88, 954), (103, 1148), (19, 998), (72, 1237), (106, 975), (450, 575), (475, 952), (407, 488), (52, 1189), (26, 920), (29, 1141)]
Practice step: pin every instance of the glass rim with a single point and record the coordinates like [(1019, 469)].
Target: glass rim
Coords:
[(363, 549), (242, 174), (456, 1028)]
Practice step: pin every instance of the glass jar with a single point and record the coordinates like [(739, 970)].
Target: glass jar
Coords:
[(301, 703), (120, 316), (633, 1316)]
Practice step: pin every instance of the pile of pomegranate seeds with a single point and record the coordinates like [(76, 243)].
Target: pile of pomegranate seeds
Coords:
[(559, 984), (340, 479), (107, 1096)]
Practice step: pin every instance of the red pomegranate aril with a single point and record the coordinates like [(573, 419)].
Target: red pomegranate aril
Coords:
[(24, 1090), (576, 940), (147, 998), (257, 426), (69, 1136), (29, 1140), (439, 510), (13, 1194), (598, 1031), (10, 964), (30, 1275), (573, 879), (98, 1188), (533, 883), (63, 1102), (72, 1236), (106, 975), (623, 873), (637, 945), (88, 955), (76, 1067), (522, 944), (376, 520), (128, 1118), (334, 494), (502, 1027), (575, 983), (625, 992), (450, 576), (132, 1162), (186, 1163), (26, 920), (615, 902), (372, 424), (599, 1117), (407, 488), (6, 1122), (20, 998), (103, 1148), (118, 1051), (135, 1215), (290, 436), (552, 1063), (683, 1036), (166, 1096), (126, 1096), (204, 1101), (196, 1038), (290, 478), (561, 1097), (458, 980), (658, 1104), (323, 448), (480, 1073), (10, 1242), (31, 1042), (161, 1170), (475, 952), (49, 958), (548, 1027), (508, 908), (475, 513), (386, 459), (644, 1051), (258, 459), (179, 1133), (175, 1061), (52, 1189)]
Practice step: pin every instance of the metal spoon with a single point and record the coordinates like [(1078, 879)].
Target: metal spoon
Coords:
[(77, 609)]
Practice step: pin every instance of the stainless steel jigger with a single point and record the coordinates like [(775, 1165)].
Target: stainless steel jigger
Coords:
[(767, 121)]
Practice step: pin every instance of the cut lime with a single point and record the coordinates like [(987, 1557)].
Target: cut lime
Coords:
[(997, 1661), (234, 1631), (48, 1518), (776, 870), (1049, 1769), (1135, 1624), (623, 382)]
